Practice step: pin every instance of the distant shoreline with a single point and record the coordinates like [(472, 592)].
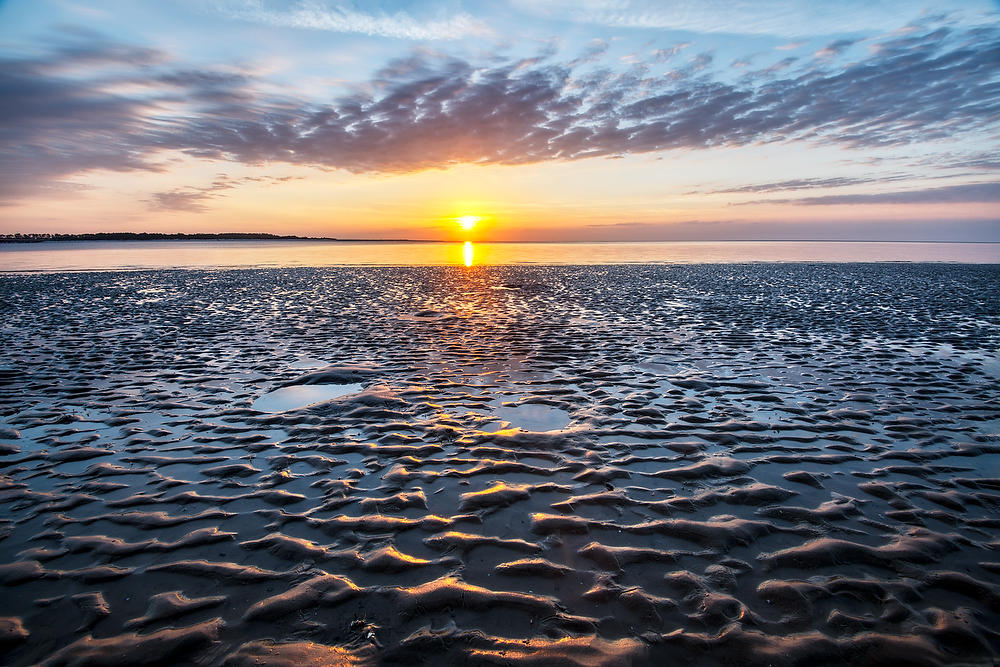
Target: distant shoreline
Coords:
[(253, 236), (155, 236)]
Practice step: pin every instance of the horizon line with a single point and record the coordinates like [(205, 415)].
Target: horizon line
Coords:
[(45, 237)]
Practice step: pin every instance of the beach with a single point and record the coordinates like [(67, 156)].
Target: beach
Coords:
[(712, 464)]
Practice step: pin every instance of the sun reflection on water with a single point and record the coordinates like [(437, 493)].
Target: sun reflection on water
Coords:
[(468, 253)]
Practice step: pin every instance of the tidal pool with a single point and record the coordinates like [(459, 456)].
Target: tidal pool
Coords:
[(302, 395), (530, 417)]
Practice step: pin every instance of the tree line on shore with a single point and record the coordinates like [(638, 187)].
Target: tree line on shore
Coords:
[(152, 236)]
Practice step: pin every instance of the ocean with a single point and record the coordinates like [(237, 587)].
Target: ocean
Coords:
[(134, 255)]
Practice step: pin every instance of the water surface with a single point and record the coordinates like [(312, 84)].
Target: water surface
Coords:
[(118, 255), (300, 396)]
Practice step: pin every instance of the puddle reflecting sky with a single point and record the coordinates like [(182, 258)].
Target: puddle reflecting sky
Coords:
[(299, 396), (534, 417)]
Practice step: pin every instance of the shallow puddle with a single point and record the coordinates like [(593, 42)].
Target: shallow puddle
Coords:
[(307, 363), (300, 396), (534, 417)]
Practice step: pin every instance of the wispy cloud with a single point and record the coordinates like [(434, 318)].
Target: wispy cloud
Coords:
[(949, 194), (804, 184), (181, 200), (783, 18), (431, 111), (981, 160), (337, 17), (834, 49), (197, 199)]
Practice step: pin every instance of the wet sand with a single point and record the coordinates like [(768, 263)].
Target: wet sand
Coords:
[(607, 465)]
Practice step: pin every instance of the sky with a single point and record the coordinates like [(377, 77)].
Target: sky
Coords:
[(549, 120)]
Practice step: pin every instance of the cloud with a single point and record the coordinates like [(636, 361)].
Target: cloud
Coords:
[(53, 126), (594, 51), (179, 200), (439, 111), (835, 48), (985, 161), (664, 55), (804, 184), (196, 199), (336, 17), (619, 225), (782, 18), (433, 111), (949, 194)]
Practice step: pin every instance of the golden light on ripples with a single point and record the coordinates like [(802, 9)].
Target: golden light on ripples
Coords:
[(468, 253)]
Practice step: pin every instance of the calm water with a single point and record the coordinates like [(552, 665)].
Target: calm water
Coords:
[(113, 255)]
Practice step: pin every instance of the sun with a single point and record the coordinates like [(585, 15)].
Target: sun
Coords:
[(467, 222)]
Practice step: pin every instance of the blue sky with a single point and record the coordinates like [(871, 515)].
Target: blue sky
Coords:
[(550, 120)]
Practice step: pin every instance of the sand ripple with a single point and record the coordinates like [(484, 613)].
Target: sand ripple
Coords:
[(760, 464)]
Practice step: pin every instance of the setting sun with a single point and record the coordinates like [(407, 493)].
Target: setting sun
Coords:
[(468, 221)]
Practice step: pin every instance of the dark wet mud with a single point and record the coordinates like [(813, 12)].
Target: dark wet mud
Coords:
[(713, 465)]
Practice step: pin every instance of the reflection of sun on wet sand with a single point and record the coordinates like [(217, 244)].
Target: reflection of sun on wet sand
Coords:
[(603, 465)]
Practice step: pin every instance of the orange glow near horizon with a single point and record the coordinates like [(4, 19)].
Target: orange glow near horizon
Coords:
[(523, 203)]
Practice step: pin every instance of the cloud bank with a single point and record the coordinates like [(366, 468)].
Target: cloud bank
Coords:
[(429, 111)]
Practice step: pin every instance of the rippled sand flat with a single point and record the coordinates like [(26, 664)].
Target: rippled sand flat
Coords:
[(741, 464)]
